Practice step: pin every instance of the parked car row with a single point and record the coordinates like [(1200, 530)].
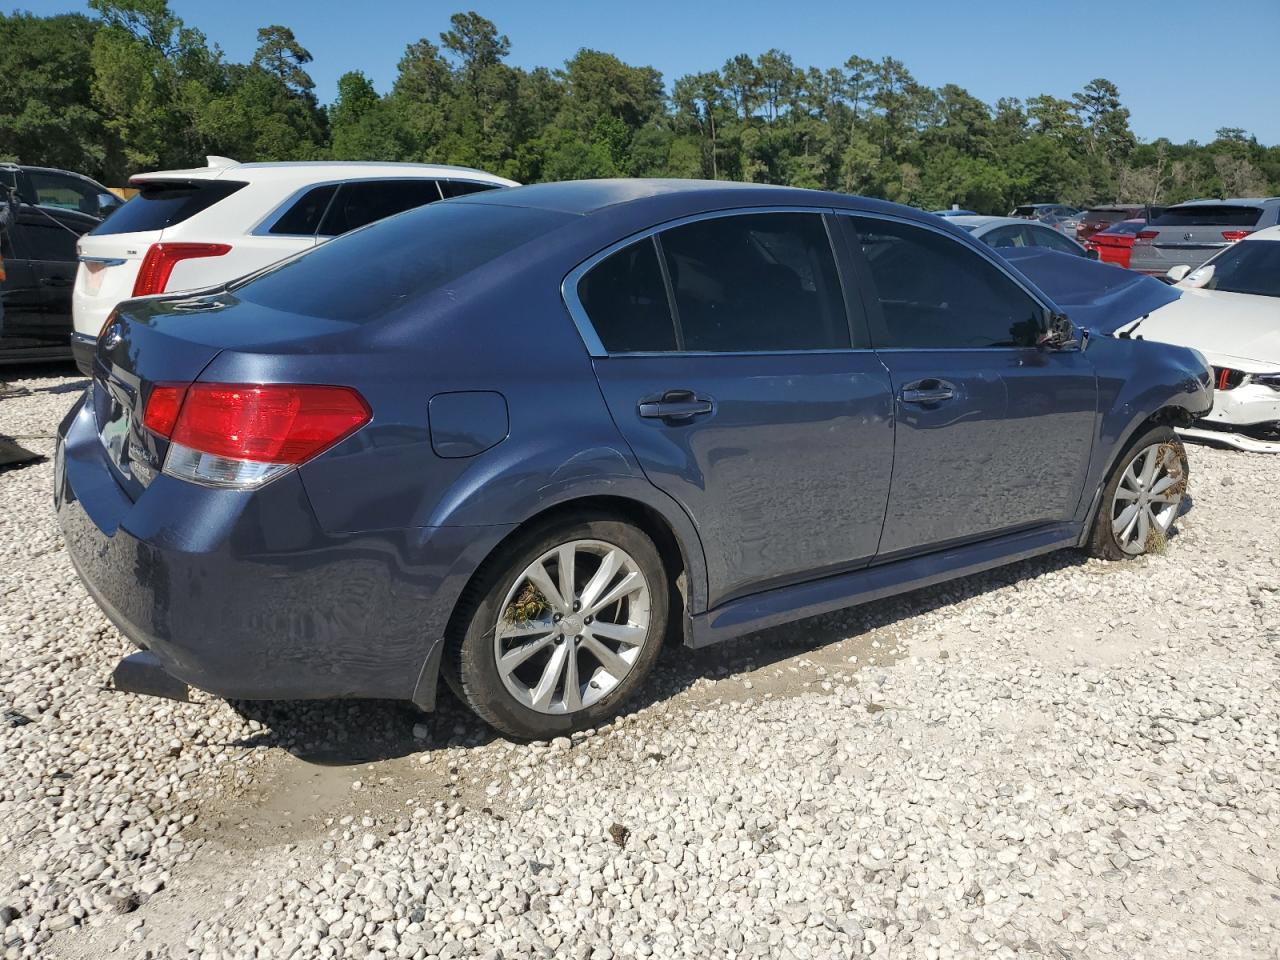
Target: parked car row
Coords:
[(184, 229)]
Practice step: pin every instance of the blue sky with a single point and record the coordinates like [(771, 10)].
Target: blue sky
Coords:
[(1184, 68)]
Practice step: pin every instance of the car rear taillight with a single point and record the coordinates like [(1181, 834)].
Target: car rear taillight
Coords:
[(1148, 234), (161, 258), (1231, 236), (244, 434)]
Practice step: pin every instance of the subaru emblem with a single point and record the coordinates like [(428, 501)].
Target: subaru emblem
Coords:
[(111, 339)]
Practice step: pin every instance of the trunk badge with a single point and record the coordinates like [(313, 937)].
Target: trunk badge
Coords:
[(111, 339)]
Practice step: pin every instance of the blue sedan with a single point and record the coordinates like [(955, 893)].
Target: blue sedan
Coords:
[(520, 438)]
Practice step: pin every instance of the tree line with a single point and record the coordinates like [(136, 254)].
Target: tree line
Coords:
[(133, 88)]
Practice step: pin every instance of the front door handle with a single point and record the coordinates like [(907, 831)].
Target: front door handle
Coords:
[(56, 281), (928, 391), (676, 405)]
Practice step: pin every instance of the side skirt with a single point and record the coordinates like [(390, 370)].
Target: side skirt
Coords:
[(785, 604)]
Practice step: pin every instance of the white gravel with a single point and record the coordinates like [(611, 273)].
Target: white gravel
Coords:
[(1063, 758)]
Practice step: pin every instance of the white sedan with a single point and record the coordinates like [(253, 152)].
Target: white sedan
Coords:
[(1015, 232), (1229, 310)]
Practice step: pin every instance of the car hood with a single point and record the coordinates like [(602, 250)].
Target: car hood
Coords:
[(1222, 326), (1099, 296)]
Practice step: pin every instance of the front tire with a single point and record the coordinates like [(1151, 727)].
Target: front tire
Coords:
[(1142, 497), (560, 628)]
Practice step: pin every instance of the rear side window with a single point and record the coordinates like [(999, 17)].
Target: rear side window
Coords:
[(626, 300), (460, 188), (1006, 237), (755, 283), (935, 293), (1209, 215), (303, 218), (367, 201), (166, 203), (358, 278)]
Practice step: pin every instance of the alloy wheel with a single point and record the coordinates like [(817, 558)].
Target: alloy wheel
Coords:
[(572, 626), (1147, 500)]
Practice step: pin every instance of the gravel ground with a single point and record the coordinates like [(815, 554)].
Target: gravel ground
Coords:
[(1064, 758)]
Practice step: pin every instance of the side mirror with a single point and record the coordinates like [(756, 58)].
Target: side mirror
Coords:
[(1060, 335), (1177, 273), (1199, 277), (108, 203)]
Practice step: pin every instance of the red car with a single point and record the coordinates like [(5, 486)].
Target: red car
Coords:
[(1114, 243), (1096, 219)]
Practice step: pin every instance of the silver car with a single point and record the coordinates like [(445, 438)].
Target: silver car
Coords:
[(1194, 231), (1000, 232)]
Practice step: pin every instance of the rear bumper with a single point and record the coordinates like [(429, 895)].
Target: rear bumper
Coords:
[(82, 347), (241, 594)]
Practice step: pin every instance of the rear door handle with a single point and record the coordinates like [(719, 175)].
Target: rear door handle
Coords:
[(928, 391), (676, 405)]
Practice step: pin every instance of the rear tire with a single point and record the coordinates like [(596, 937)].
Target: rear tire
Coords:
[(535, 664), (1142, 498)]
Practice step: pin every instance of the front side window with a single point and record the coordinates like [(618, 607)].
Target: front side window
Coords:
[(1053, 240), (755, 283), (1251, 266), (49, 241), (63, 192), (935, 293), (626, 300), (366, 201)]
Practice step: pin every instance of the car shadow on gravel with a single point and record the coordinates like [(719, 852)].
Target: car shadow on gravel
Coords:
[(351, 732)]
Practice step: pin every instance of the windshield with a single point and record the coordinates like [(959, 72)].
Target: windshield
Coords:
[(1209, 215), (361, 275), (1251, 266)]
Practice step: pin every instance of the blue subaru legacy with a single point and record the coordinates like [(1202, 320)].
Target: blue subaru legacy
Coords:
[(519, 438)]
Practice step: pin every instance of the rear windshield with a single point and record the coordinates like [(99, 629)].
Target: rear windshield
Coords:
[(1252, 266), (1105, 216), (1209, 215), (359, 276), (166, 203)]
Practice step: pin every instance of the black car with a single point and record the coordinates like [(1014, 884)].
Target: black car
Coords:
[(48, 211)]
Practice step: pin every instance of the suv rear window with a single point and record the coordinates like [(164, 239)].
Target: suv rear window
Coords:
[(1106, 216), (1209, 215), (166, 203), (358, 277)]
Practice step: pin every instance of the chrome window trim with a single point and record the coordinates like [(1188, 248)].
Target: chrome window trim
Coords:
[(595, 347), (263, 227)]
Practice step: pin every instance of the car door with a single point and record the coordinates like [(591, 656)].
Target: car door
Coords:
[(51, 242), (23, 305), (993, 433), (724, 349)]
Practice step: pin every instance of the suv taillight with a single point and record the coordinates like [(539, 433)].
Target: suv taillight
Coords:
[(244, 434), (1231, 236), (161, 258)]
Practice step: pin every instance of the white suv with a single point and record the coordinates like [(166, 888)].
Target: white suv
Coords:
[(187, 229)]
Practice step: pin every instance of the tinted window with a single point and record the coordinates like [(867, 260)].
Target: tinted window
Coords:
[(46, 241), (303, 218), (756, 282), (367, 201), (1209, 215), (1252, 266), (460, 188), (1052, 239), (626, 301), (161, 204), (1132, 228), (63, 192), (935, 293), (361, 276)]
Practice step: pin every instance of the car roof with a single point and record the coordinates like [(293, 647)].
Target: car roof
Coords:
[(30, 167), (316, 171), (1233, 201), (586, 197), (982, 223)]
